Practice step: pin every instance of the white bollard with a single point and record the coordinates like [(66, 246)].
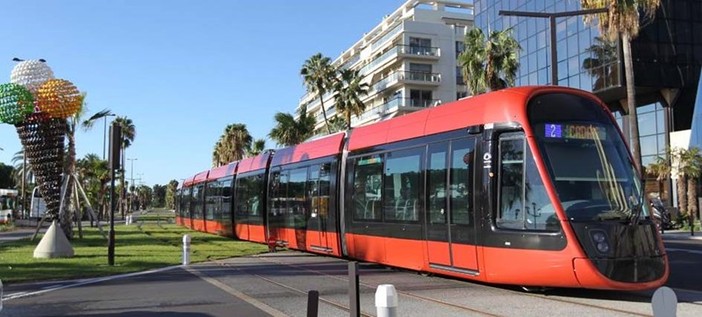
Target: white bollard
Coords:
[(664, 302), (386, 300), (128, 220), (186, 249)]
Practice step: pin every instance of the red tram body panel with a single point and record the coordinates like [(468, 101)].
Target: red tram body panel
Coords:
[(530, 186)]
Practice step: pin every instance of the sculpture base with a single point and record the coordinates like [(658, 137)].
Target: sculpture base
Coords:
[(54, 244)]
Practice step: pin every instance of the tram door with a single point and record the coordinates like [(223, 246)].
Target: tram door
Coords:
[(450, 214), (318, 202)]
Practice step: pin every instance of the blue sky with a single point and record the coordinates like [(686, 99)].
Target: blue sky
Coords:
[(181, 70)]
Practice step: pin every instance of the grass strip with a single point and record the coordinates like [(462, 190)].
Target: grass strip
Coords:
[(137, 248)]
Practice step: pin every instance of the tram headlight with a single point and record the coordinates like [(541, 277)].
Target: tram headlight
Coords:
[(599, 239)]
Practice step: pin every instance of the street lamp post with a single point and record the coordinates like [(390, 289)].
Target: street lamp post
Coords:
[(104, 133), (552, 19)]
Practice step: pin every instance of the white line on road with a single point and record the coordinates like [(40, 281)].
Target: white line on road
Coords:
[(684, 250), (268, 309), (81, 283)]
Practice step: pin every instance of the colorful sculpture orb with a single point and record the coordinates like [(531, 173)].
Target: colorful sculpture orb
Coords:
[(16, 103), (31, 74), (59, 98)]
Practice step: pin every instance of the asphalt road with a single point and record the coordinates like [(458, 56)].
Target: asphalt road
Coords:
[(277, 285)]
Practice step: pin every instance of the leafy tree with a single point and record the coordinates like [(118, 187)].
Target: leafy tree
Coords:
[(622, 21), (489, 64), (159, 196), (171, 194), (318, 77), (689, 166), (349, 90), (6, 180), (290, 131), (336, 124)]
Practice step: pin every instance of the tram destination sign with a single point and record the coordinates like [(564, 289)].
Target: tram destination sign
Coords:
[(574, 131)]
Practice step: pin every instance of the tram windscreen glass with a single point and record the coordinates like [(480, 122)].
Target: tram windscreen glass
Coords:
[(587, 159)]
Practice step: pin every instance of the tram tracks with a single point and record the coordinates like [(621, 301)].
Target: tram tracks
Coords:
[(467, 309)]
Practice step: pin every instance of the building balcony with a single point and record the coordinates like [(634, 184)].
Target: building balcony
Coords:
[(404, 77), (404, 103), (423, 52)]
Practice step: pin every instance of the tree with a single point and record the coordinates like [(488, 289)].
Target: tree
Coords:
[(94, 175), (622, 21), (159, 193), (128, 135), (257, 147), (232, 144), (318, 77), (171, 194), (603, 63), (490, 64), (290, 131), (660, 169), (6, 180), (349, 90), (689, 167)]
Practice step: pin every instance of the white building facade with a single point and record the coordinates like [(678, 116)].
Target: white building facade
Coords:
[(408, 61)]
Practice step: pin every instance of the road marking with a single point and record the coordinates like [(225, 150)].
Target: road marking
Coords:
[(67, 284), (260, 305)]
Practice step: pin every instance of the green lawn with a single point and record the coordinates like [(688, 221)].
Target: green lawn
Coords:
[(140, 246)]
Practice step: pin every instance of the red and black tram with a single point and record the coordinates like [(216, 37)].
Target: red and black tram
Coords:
[(530, 186)]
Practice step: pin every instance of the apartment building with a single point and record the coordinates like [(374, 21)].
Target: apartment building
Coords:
[(408, 60)]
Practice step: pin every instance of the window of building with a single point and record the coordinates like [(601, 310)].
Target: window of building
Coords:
[(420, 98)]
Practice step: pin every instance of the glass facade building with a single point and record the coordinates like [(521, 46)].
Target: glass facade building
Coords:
[(667, 57)]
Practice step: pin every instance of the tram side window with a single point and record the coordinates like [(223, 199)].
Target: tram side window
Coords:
[(226, 190), (198, 193), (401, 185), (459, 185), (524, 204), (367, 182), (437, 183), (297, 209), (248, 205), (211, 200)]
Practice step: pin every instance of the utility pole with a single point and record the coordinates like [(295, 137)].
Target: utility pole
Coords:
[(552, 19), (131, 182)]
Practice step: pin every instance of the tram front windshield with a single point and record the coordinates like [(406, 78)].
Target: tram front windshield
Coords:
[(587, 159)]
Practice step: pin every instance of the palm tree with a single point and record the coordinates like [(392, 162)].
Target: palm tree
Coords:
[(290, 131), (94, 174), (318, 76), (689, 169), (337, 123), (490, 64), (128, 135), (232, 144), (257, 147), (622, 21), (603, 63), (349, 90), (660, 169)]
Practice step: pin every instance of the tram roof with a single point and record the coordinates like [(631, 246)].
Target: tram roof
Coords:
[(326, 146), (222, 171), (253, 163), (200, 177), (500, 106)]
